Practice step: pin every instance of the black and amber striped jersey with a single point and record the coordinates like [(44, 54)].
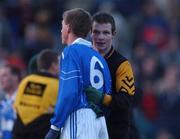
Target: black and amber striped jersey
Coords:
[(125, 79), (123, 90)]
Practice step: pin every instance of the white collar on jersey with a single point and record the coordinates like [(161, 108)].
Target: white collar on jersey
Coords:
[(82, 41)]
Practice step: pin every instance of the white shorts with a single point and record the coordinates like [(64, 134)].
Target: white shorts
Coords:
[(83, 124)]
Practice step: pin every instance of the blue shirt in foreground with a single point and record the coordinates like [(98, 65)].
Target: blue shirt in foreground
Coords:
[(80, 67)]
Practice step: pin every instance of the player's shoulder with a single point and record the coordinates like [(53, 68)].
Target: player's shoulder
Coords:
[(123, 62), (82, 50), (28, 77), (114, 58), (74, 48), (69, 51), (120, 58), (38, 75)]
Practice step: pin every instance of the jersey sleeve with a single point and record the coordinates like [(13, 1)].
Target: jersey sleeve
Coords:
[(68, 88), (125, 89), (125, 78)]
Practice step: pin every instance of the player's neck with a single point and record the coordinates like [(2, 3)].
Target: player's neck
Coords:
[(71, 38)]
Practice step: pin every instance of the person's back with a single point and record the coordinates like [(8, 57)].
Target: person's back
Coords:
[(36, 98), (78, 71), (36, 95), (91, 68)]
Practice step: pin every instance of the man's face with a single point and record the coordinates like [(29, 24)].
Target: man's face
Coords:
[(64, 32), (102, 37), (6, 78)]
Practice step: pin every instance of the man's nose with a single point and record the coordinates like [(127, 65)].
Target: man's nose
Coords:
[(101, 36)]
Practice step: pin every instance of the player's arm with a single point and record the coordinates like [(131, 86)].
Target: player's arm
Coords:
[(125, 88), (67, 97)]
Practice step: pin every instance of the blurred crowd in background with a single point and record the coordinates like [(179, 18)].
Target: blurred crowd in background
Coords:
[(148, 34)]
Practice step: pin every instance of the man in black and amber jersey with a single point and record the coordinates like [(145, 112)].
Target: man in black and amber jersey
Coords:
[(36, 98), (119, 119)]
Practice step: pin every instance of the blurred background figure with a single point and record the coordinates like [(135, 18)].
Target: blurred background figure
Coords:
[(5, 32), (9, 80), (36, 97), (169, 102)]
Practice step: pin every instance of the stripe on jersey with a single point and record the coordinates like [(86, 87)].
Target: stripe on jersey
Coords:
[(73, 125)]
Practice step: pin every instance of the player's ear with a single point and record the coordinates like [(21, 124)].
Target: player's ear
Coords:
[(55, 67), (114, 33), (69, 29)]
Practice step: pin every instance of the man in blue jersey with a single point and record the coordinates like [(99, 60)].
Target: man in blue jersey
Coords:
[(80, 67)]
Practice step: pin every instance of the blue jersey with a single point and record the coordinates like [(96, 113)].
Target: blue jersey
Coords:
[(7, 117), (80, 67)]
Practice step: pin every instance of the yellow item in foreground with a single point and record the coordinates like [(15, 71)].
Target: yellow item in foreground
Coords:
[(36, 96)]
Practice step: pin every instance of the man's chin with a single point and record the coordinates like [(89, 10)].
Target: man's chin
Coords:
[(101, 48)]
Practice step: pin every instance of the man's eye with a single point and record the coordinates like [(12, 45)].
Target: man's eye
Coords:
[(96, 32), (106, 33)]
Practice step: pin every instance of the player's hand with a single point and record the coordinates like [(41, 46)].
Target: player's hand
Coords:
[(93, 95), (52, 134), (96, 97), (96, 109), (106, 99)]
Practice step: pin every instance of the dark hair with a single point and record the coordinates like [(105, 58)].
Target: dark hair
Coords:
[(102, 17), (46, 58), (79, 21), (32, 65)]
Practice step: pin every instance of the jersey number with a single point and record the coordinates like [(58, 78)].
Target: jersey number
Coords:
[(96, 73)]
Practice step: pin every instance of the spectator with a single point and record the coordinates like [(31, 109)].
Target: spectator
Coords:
[(9, 79)]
